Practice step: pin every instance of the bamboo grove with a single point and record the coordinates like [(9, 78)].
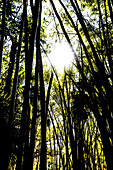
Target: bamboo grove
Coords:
[(47, 120)]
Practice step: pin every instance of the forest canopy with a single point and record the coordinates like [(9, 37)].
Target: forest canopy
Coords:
[(51, 119)]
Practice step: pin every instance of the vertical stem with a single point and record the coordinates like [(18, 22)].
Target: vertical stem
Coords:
[(2, 33)]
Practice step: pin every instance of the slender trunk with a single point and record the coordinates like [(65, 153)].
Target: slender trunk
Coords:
[(60, 150), (111, 11), (25, 112), (42, 95), (11, 67), (2, 33), (15, 82)]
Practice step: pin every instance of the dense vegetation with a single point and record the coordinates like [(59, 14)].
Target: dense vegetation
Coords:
[(48, 120)]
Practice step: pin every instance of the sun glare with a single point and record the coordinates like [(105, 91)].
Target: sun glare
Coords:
[(61, 56)]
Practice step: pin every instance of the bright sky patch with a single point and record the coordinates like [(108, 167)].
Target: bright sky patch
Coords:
[(61, 56)]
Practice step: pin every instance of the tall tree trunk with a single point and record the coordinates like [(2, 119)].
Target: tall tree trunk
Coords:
[(42, 97), (2, 33), (7, 140), (23, 140), (11, 67)]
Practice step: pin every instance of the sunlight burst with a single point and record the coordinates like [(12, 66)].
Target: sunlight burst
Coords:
[(61, 56)]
